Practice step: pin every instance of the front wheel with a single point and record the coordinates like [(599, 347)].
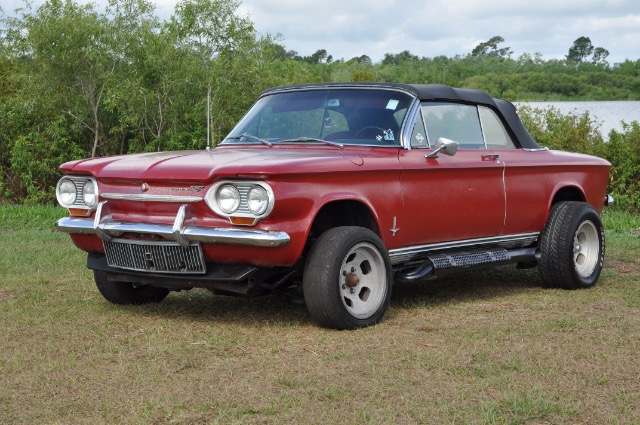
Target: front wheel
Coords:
[(127, 293), (571, 247), (347, 278)]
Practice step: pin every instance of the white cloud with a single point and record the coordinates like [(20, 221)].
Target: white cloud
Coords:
[(448, 27), (349, 28)]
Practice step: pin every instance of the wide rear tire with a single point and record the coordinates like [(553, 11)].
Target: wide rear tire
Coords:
[(126, 293), (347, 278), (571, 247)]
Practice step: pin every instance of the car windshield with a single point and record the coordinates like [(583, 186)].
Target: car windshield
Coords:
[(340, 116)]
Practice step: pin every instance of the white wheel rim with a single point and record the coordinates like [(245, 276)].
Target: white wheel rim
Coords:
[(363, 280), (586, 249)]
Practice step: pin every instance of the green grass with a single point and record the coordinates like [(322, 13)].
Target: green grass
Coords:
[(616, 221), (477, 348)]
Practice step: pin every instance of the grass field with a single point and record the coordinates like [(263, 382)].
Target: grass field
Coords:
[(477, 348)]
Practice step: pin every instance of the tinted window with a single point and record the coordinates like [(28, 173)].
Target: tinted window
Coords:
[(456, 122)]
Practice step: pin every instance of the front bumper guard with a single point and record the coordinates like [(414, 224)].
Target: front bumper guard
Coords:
[(181, 231)]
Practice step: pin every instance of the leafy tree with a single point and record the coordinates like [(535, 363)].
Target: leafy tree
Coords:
[(490, 48), (279, 52), (68, 48), (363, 75), (399, 58), (210, 29), (600, 55), (77, 50), (580, 50), (364, 59), (320, 56)]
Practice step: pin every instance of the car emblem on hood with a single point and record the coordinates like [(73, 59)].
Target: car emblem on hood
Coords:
[(183, 189), (144, 187)]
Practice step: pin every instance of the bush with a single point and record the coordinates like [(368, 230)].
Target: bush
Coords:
[(623, 151), (35, 159), (572, 132)]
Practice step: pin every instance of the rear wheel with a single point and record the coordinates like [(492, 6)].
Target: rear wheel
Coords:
[(347, 278), (571, 247), (127, 293)]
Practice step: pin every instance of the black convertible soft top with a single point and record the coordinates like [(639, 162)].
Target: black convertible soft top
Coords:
[(437, 92)]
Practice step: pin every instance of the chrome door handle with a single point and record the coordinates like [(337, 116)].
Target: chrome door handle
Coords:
[(491, 157)]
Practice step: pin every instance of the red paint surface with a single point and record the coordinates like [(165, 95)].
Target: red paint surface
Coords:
[(432, 200)]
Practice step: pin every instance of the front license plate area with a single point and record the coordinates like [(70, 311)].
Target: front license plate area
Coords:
[(155, 257)]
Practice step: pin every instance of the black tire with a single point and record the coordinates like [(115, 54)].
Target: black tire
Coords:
[(125, 293), (347, 278), (571, 247)]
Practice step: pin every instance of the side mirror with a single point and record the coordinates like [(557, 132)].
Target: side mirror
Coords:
[(446, 146)]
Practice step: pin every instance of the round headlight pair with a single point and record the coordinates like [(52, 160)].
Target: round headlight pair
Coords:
[(79, 193), (241, 199), (228, 199)]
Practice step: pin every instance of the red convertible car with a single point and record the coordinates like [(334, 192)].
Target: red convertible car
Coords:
[(333, 192)]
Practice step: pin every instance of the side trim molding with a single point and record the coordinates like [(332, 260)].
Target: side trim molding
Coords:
[(420, 253)]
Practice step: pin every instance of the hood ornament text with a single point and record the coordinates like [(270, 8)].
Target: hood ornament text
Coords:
[(183, 189), (144, 187)]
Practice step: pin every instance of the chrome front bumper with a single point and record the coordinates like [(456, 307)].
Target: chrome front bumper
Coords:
[(181, 231)]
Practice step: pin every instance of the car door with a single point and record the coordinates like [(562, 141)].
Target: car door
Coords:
[(527, 189), (450, 198)]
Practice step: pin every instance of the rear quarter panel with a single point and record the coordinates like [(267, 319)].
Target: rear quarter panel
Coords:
[(532, 180)]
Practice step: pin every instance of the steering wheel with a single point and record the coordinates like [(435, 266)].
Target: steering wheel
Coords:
[(361, 134)]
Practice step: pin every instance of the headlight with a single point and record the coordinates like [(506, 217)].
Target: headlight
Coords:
[(257, 200), (77, 193), (66, 193), (89, 194), (228, 198), (244, 203)]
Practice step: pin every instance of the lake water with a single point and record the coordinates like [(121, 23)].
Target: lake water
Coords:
[(607, 114)]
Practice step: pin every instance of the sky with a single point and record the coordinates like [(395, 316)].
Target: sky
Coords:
[(430, 28)]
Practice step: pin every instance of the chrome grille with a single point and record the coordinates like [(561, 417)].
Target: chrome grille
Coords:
[(156, 257), (79, 182), (244, 192)]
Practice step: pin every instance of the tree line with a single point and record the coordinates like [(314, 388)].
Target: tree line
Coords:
[(77, 80)]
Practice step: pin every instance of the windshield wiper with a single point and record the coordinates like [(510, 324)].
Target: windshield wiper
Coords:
[(311, 139), (250, 137)]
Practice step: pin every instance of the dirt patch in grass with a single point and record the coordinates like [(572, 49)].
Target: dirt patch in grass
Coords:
[(5, 294), (623, 266)]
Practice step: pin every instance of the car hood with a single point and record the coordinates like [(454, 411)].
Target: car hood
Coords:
[(203, 166)]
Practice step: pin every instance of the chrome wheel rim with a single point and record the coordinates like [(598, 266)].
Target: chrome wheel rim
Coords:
[(363, 280), (586, 249)]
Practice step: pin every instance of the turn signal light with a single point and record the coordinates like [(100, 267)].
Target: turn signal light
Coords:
[(242, 221), (79, 212)]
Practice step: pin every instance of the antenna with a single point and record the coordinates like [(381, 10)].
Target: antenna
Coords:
[(209, 117)]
